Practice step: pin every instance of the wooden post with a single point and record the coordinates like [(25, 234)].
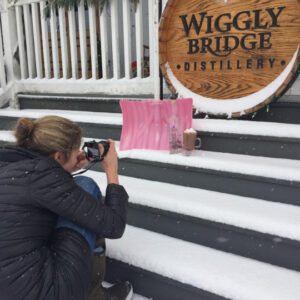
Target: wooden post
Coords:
[(54, 42), (127, 39), (37, 39), (139, 40), (115, 39), (154, 46), (73, 43), (45, 40), (10, 39), (104, 43), (82, 38), (63, 42), (93, 41)]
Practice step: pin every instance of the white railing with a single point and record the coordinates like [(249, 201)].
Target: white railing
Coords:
[(2, 66), (83, 50), (6, 58)]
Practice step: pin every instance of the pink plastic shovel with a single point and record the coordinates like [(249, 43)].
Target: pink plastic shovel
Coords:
[(146, 123)]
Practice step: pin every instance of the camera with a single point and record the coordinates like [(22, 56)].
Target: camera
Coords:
[(91, 150)]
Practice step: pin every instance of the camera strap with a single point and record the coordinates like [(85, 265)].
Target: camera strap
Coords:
[(91, 164)]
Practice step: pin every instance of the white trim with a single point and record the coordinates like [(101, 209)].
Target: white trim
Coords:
[(122, 86)]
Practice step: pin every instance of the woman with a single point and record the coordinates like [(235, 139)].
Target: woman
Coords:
[(51, 225)]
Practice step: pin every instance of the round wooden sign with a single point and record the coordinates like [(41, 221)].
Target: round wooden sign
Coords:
[(232, 57)]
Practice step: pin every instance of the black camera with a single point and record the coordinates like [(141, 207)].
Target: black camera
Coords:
[(91, 150)]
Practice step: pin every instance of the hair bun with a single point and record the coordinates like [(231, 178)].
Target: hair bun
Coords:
[(23, 130)]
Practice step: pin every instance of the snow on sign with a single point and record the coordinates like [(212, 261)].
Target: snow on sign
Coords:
[(232, 57)]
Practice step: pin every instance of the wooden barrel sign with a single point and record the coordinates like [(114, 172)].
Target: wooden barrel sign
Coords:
[(232, 57)]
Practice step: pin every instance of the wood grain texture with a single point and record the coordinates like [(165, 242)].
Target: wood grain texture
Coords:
[(271, 27)]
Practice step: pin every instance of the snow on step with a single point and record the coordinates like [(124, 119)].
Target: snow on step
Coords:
[(273, 218), (221, 273), (75, 116), (277, 168), (135, 296), (81, 97), (7, 136), (248, 127), (278, 219), (222, 126)]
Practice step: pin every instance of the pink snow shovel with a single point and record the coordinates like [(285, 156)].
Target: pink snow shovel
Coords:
[(146, 123)]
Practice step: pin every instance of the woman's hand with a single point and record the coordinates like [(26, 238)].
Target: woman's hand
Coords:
[(81, 163), (110, 162)]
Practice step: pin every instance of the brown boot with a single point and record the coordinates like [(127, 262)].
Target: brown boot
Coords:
[(119, 291)]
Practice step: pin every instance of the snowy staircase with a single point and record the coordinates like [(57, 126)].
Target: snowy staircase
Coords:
[(223, 223)]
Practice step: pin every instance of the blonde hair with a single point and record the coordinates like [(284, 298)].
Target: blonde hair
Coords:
[(48, 135)]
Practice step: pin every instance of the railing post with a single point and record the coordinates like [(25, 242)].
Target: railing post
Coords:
[(155, 62), (10, 39), (2, 67), (10, 44)]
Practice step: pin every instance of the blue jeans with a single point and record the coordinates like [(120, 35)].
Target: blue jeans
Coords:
[(90, 186)]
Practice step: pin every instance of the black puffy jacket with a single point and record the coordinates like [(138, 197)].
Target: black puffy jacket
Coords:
[(37, 261)]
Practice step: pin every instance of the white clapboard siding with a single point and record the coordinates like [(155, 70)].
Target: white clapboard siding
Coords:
[(73, 44), (139, 39), (2, 68), (82, 38), (127, 38), (20, 33), (93, 41), (45, 40), (63, 42), (54, 43), (104, 43), (29, 41), (115, 39), (37, 39)]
